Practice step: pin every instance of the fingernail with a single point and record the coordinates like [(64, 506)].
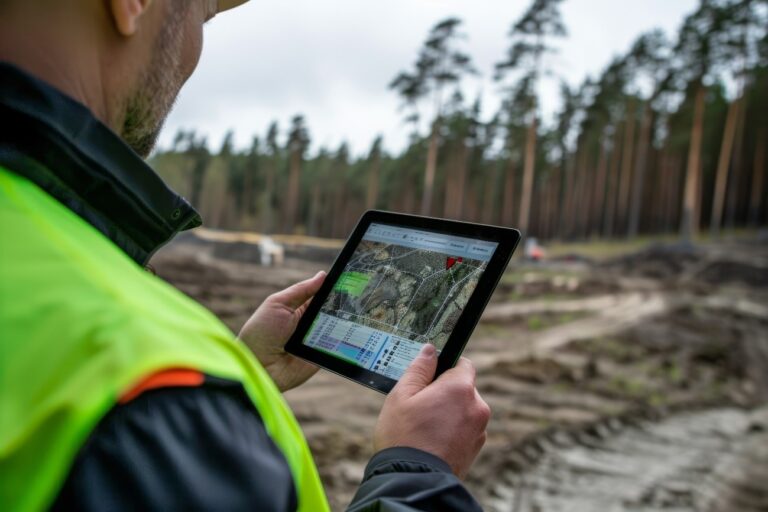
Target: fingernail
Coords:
[(321, 273), (428, 350)]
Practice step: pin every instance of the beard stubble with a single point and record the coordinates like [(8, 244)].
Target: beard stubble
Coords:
[(150, 103)]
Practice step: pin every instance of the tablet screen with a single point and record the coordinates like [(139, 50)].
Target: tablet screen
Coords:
[(402, 287)]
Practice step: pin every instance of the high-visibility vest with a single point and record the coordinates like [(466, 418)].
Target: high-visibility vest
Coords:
[(81, 324)]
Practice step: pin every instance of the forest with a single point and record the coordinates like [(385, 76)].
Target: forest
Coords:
[(670, 138)]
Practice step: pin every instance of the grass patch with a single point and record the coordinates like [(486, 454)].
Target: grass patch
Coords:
[(535, 323), (634, 388)]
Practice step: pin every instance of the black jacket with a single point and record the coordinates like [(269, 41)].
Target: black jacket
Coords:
[(173, 448)]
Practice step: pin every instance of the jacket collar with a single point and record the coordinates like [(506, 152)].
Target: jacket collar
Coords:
[(57, 143)]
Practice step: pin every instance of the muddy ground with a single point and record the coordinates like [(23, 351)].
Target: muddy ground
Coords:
[(663, 351)]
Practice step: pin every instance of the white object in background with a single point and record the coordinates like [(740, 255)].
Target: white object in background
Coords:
[(271, 252)]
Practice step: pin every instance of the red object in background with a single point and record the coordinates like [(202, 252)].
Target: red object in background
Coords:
[(537, 254), (451, 261)]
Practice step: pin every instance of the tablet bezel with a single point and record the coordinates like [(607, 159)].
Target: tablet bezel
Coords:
[(507, 239)]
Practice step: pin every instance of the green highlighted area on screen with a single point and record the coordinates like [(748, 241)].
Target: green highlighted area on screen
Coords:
[(352, 283)]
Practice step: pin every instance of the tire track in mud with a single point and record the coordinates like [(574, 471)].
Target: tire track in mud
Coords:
[(700, 460), (610, 314)]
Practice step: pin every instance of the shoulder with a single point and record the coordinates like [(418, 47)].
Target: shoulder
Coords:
[(62, 279), (60, 263)]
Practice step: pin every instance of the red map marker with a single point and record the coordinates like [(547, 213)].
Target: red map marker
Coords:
[(451, 261)]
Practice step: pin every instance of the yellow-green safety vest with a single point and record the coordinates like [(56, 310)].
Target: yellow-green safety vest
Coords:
[(80, 324)]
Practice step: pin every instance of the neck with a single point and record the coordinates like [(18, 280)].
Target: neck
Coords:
[(67, 61)]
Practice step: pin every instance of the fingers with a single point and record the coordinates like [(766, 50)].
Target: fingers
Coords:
[(420, 372), (296, 295), (464, 372)]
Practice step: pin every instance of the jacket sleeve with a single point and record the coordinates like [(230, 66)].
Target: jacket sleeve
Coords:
[(201, 448), (406, 480)]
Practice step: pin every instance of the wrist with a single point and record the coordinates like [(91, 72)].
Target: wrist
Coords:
[(405, 459)]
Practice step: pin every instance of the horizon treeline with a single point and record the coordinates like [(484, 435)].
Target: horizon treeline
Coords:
[(670, 137)]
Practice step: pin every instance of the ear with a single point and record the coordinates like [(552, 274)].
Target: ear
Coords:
[(126, 14)]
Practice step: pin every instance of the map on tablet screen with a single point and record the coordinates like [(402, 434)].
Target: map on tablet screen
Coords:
[(401, 288)]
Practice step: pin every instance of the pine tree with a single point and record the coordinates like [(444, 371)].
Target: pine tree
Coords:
[(649, 61), (298, 142), (529, 36), (270, 170), (440, 63), (697, 54)]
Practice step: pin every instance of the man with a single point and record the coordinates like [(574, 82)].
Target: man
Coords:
[(118, 392)]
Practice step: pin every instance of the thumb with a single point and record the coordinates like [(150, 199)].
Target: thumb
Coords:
[(420, 372), (296, 295)]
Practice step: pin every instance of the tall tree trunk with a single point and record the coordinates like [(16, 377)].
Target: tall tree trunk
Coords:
[(554, 212), (582, 194), (662, 188), (641, 164), (649, 216), (267, 212), (527, 189), (758, 177), (313, 223), (546, 206), (292, 197), (734, 192), (626, 164), (598, 191), (461, 179), (676, 176), (537, 205), (689, 220), (455, 178), (723, 166), (566, 197), (199, 166), (351, 214), (672, 196), (340, 208), (409, 196), (372, 194), (472, 209), (430, 171), (542, 200), (449, 189), (508, 201), (489, 198), (612, 186), (246, 200), (328, 207)]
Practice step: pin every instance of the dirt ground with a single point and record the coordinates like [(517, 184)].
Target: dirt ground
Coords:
[(574, 356)]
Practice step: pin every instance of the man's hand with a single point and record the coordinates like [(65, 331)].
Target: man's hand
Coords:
[(269, 328), (446, 418)]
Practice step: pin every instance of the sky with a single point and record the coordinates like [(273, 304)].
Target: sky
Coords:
[(332, 60)]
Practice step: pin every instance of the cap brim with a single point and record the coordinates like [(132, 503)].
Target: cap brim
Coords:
[(229, 4)]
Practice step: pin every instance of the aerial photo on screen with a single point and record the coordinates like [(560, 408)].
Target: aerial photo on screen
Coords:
[(413, 293)]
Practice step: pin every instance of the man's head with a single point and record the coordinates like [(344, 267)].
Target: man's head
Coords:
[(125, 59)]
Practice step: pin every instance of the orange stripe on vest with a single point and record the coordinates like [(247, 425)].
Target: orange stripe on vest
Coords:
[(164, 379)]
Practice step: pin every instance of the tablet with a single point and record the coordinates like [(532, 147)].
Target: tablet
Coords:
[(399, 282)]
